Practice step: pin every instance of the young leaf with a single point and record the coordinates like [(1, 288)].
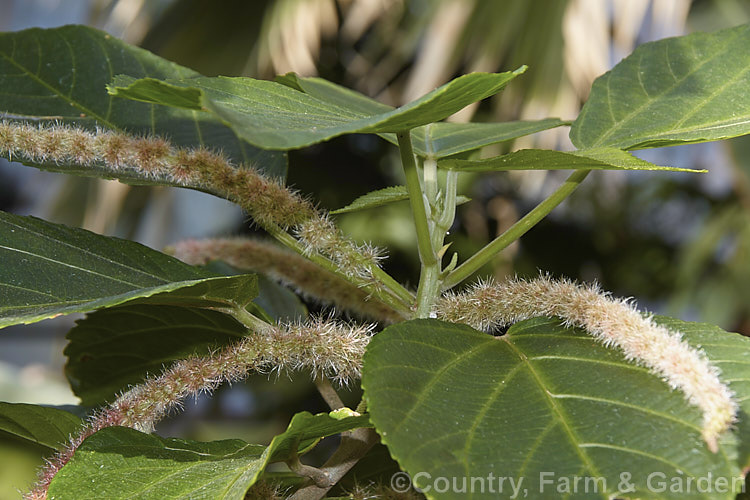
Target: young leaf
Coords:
[(679, 90), (61, 75), (275, 116), (306, 429), (383, 197), (122, 463), (40, 425), (544, 159), (454, 402), (50, 269), (115, 348)]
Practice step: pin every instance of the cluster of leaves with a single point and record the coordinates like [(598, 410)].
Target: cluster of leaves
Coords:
[(445, 399)]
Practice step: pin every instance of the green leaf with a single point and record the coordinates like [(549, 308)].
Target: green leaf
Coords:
[(122, 463), (50, 269), (275, 116), (542, 399), (33, 424), (543, 159), (115, 348), (438, 140), (435, 140), (383, 197), (335, 94), (306, 429), (278, 302), (694, 88), (731, 354), (61, 75)]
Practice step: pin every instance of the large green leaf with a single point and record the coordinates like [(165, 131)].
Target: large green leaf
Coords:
[(275, 116), (544, 159), (114, 348), (50, 269), (680, 90), (121, 463), (542, 401), (40, 425), (435, 140), (61, 75)]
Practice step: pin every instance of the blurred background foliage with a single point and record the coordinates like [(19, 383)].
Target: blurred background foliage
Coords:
[(680, 243)]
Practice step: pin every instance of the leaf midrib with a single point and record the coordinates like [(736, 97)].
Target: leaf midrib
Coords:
[(552, 404)]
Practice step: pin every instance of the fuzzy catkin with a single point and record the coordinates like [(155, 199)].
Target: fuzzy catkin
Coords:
[(329, 348), (155, 158), (120, 154), (320, 235), (615, 323), (290, 268)]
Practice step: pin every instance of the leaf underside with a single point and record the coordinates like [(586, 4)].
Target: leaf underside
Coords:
[(435, 140), (545, 159), (275, 116), (679, 90)]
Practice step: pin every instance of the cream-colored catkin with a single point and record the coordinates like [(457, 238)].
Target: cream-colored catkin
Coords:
[(323, 347), (121, 155), (289, 268), (615, 322)]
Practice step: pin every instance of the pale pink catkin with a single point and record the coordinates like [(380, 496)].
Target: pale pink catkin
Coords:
[(324, 347), (155, 158), (615, 322)]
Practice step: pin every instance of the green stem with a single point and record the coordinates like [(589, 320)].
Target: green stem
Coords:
[(251, 322), (429, 277), (428, 291), (517, 230), (394, 295), (414, 188)]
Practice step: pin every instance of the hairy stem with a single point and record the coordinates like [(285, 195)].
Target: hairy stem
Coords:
[(476, 261), (354, 445)]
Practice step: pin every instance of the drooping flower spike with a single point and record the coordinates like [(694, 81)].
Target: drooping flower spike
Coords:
[(614, 322)]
